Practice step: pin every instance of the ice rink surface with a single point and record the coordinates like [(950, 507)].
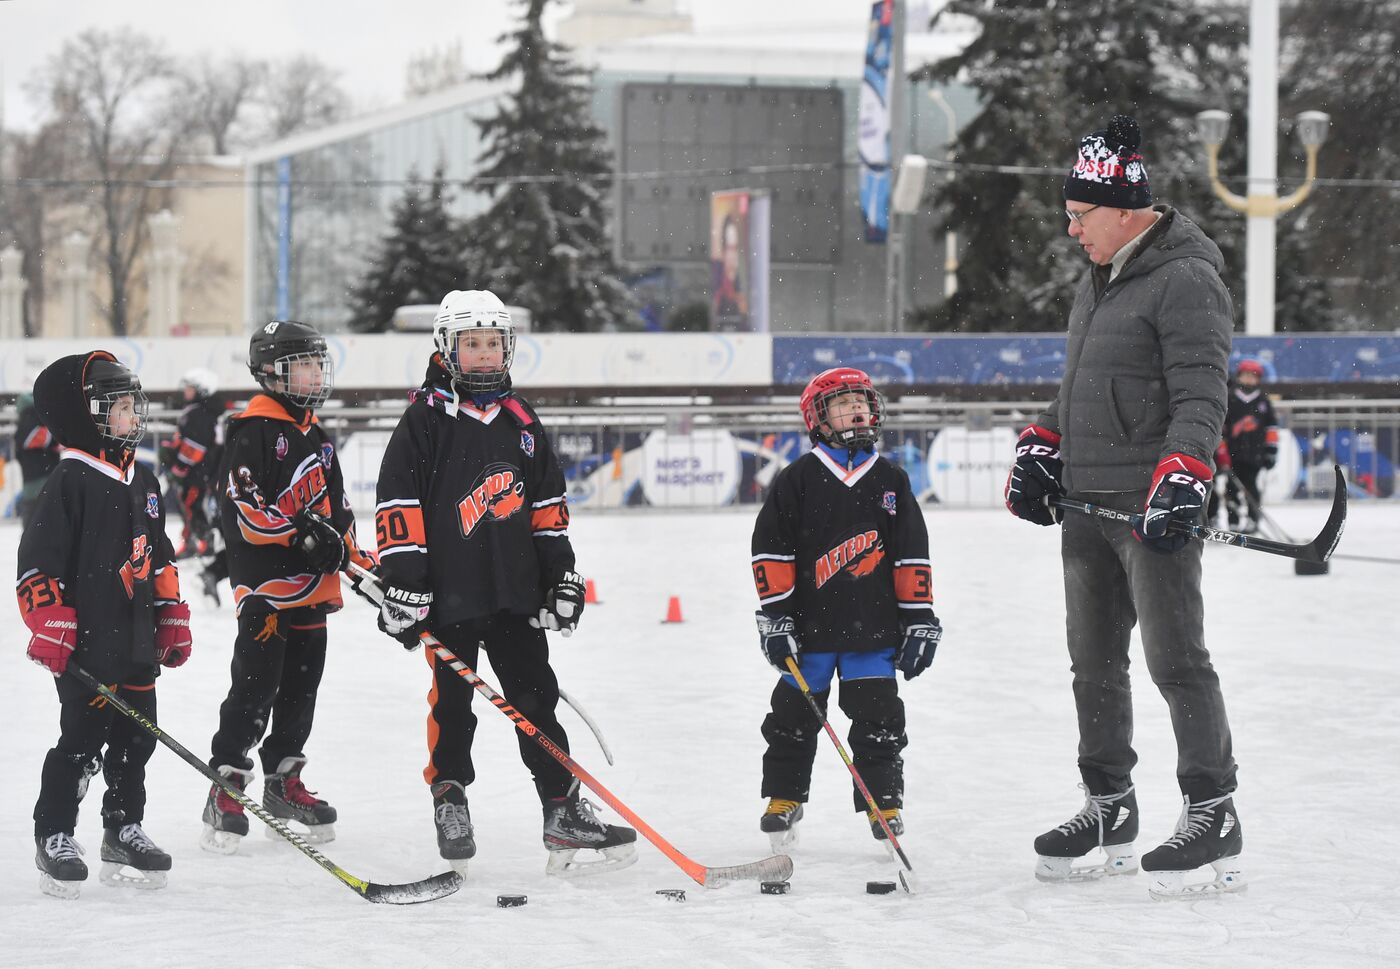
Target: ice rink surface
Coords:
[(1309, 667)]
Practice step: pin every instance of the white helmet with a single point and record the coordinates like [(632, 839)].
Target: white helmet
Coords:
[(473, 309), (204, 382)]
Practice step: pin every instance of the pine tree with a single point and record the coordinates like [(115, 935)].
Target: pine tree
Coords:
[(1049, 72), (420, 260), (544, 242), (1340, 57)]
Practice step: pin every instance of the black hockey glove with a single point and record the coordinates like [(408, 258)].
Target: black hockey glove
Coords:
[(403, 614), (563, 605), (915, 654), (1035, 477), (320, 543), (1270, 454), (1178, 494), (777, 637)]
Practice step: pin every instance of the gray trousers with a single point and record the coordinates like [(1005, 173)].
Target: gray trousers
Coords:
[(1113, 581)]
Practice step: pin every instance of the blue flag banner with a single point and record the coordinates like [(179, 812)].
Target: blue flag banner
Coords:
[(874, 124)]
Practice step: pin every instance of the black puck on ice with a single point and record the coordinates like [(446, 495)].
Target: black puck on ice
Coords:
[(773, 888), (879, 888), (672, 894), (510, 901)]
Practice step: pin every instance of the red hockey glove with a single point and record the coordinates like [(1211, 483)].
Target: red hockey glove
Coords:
[(1178, 493), (173, 642), (1035, 477), (53, 636)]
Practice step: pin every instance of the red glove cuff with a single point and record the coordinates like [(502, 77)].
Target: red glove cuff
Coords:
[(1034, 430), (1180, 462)]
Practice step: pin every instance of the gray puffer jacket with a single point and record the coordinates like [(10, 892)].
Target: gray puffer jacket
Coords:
[(1145, 372)]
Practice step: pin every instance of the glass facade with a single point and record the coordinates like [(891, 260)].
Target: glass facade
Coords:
[(825, 277)]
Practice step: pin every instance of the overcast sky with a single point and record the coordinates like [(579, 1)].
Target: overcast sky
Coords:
[(369, 52)]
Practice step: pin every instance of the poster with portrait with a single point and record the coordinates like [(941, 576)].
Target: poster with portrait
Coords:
[(739, 246)]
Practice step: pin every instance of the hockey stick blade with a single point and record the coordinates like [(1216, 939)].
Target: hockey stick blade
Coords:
[(426, 890), (776, 868), (1319, 550)]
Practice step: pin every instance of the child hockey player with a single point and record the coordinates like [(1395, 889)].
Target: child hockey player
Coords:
[(288, 530), (1251, 437), (840, 559), (97, 587), (191, 458), (472, 522)]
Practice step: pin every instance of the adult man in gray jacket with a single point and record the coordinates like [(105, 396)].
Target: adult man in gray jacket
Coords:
[(1134, 427)]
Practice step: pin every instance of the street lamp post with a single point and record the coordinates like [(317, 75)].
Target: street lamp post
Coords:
[(1261, 206)]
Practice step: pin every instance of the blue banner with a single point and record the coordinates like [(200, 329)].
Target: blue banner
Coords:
[(873, 124), (1039, 358)]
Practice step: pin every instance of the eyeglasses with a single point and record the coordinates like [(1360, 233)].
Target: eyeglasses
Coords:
[(1079, 216)]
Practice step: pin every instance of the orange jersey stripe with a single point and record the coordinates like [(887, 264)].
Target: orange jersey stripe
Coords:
[(397, 526), (167, 584), (550, 518), (774, 577), (37, 590), (913, 583)]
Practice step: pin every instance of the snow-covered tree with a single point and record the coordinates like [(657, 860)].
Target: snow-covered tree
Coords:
[(1048, 72), (544, 241), (419, 261)]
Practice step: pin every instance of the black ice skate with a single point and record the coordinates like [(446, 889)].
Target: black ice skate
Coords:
[(59, 860), (1207, 833), (779, 822), (130, 859), (570, 825), (224, 820), (893, 819), (1107, 821), (455, 837), (286, 797)]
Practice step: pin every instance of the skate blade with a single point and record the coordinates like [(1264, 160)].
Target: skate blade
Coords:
[(909, 882), (1171, 885), (563, 864), (312, 834), (1064, 871), (459, 865), (66, 890), (782, 841), (219, 842), (118, 875)]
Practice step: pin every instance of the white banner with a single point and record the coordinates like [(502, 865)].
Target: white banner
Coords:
[(699, 469), (396, 362)]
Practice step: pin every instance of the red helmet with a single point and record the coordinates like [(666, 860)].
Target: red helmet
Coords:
[(826, 387), (1250, 366)]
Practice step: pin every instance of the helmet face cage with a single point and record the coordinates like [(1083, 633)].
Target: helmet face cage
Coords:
[(105, 393), (859, 436), (446, 335), (295, 386)]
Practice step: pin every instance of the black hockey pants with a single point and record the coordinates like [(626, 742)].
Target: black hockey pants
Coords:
[(876, 738), (519, 656), (87, 723), (278, 658)]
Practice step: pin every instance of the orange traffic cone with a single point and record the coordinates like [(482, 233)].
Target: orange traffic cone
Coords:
[(590, 594), (673, 610)]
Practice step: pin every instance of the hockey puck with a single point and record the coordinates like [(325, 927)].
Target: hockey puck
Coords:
[(672, 894), (510, 901), (773, 888), (879, 888)]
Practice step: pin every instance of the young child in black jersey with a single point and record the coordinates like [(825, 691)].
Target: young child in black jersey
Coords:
[(472, 522), (98, 587), (841, 563)]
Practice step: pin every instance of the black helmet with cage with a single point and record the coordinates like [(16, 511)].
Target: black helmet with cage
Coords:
[(277, 357), (109, 389)]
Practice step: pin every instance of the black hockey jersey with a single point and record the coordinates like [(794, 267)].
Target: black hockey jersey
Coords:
[(35, 447), (471, 504), (97, 540), (273, 467), (192, 455), (844, 553), (1251, 426)]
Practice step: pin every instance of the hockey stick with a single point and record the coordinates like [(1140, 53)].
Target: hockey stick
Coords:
[(1318, 550), (1279, 530), (774, 868), (426, 890), (906, 877), (583, 715)]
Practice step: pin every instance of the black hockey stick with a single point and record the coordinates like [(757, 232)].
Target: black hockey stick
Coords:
[(1318, 550), (1279, 530), (775, 868), (426, 890), (906, 878)]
